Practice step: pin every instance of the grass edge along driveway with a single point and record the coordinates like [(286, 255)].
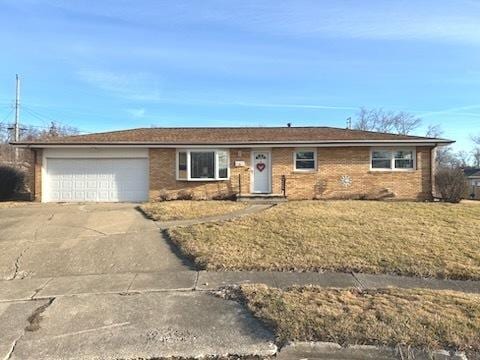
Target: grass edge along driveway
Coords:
[(405, 238)]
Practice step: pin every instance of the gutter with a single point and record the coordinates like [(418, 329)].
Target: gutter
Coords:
[(328, 143)]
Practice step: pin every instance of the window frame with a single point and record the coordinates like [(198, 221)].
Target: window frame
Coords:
[(297, 150), (392, 151), (189, 169)]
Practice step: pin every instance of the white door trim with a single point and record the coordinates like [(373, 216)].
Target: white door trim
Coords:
[(252, 170)]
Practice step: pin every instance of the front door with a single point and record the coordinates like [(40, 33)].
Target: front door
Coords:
[(261, 172)]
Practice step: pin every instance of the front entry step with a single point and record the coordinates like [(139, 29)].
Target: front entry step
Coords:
[(262, 198)]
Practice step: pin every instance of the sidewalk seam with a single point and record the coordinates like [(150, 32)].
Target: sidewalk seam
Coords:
[(361, 286), (195, 283)]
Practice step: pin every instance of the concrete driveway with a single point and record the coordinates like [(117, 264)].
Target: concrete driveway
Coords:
[(51, 240), (99, 281)]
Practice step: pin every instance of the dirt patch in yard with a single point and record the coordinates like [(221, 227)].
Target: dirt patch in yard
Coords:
[(417, 318), (189, 209), (405, 238)]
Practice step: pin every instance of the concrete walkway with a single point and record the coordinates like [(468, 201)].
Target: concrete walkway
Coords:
[(187, 281), (251, 209)]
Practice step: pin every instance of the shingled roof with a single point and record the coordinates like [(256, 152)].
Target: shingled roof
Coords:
[(471, 172), (226, 136)]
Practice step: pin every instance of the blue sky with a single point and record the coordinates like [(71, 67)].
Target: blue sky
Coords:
[(103, 65)]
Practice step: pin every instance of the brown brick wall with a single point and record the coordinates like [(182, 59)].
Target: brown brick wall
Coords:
[(37, 174), (354, 162), (163, 176), (333, 163)]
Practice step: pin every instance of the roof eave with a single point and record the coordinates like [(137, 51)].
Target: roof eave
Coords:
[(417, 142)]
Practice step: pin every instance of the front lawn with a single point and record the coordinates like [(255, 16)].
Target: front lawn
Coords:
[(189, 209), (407, 238), (418, 318)]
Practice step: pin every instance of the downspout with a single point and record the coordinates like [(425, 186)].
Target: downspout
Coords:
[(34, 174), (433, 155)]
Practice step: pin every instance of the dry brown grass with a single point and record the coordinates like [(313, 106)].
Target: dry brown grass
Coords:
[(419, 318), (189, 209), (408, 238), (11, 204)]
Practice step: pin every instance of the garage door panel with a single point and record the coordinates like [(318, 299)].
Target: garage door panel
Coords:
[(103, 180)]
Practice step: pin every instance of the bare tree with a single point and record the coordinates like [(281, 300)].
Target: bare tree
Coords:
[(386, 121), (30, 133), (462, 158), (476, 151), (434, 131), (404, 123), (476, 156), (445, 158)]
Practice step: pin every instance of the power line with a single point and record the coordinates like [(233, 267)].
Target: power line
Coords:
[(8, 115), (31, 113), (41, 117)]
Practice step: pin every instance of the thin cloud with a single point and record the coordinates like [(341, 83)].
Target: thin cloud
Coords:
[(132, 86), (395, 20), (454, 110), (297, 106)]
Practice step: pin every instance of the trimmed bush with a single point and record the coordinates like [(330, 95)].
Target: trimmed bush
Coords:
[(184, 195), (165, 195), (451, 184), (12, 181)]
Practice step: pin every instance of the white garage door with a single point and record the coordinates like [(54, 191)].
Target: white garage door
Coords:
[(103, 180)]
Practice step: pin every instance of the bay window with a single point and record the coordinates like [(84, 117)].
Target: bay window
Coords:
[(202, 165), (392, 159)]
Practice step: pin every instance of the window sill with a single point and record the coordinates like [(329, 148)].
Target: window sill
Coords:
[(391, 170), (313, 171), (202, 180)]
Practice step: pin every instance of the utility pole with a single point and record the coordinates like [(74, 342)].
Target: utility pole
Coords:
[(349, 122), (16, 127), (17, 110)]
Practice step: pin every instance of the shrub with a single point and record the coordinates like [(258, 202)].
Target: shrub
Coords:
[(451, 184), (224, 196), (11, 181), (184, 195), (164, 195)]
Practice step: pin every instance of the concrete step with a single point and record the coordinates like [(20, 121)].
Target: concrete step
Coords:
[(262, 198)]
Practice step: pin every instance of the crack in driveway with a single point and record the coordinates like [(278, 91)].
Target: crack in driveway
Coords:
[(19, 257), (33, 325), (12, 348)]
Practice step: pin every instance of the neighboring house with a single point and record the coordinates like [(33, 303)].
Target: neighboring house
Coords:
[(473, 178), (300, 162)]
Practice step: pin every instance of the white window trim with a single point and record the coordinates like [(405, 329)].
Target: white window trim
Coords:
[(314, 150), (216, 169), (392, 158)]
